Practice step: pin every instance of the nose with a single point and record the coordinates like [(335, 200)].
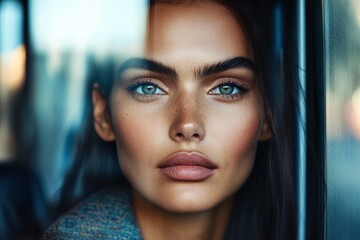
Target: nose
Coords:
[(187, 123)]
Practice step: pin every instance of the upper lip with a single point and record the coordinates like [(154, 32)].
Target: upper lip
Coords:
[(187, 158)]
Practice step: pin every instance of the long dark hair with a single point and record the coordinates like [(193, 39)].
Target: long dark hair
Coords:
[(266, 203), (265, 206)]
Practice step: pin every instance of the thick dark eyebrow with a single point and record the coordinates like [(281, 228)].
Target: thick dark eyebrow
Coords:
[(236, 62), (149, 65)]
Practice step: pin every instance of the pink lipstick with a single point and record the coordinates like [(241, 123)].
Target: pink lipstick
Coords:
[(187, 166)]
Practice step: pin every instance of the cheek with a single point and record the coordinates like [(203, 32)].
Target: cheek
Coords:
[(240, 146), (136, 133), (237, 142), (239, 129), (131, 133)]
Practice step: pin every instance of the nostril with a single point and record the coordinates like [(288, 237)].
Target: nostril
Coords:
[(190, 136), (180, 135), (196, 135), (187, 132)]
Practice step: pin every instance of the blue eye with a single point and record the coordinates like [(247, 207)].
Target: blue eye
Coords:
[(148, 89), (226, 89), (145, 88)]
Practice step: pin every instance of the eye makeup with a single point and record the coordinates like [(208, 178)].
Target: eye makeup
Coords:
[(144, 88), (229, 89)]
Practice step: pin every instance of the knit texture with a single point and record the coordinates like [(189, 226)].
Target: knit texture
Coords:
[(106, 215)]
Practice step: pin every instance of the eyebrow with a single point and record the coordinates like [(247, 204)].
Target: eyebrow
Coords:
[(149, 65), (209, 69), (236, 62)]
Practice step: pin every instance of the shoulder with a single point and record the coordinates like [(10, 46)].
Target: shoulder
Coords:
[(105, 215)]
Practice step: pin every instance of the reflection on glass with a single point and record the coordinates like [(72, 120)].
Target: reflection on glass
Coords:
[(342, 51), (74, 43), (12, 70)]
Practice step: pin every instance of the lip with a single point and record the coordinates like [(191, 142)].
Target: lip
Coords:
[(187, 166)]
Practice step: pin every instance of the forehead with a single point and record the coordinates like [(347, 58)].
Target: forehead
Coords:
[(190, 30)]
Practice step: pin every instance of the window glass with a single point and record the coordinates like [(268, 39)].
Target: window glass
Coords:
[(12, 71), (342, 71), (72, 42)]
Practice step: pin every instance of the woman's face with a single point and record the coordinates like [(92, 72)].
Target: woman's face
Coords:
[(186, 115)]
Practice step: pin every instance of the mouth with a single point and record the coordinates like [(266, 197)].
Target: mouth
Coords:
[(187, 166)]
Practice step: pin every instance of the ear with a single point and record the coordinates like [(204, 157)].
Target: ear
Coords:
[(265, 133), (102, 122)]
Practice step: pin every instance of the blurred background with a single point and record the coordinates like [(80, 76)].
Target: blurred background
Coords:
[(342, 74), (51, 50)]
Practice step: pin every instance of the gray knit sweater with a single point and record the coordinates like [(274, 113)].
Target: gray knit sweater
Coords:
[(105, 215)]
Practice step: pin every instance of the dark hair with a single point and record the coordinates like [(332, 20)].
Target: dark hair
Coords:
[(265, 203)]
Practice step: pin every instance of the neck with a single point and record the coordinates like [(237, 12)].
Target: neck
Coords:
[(157, 223)]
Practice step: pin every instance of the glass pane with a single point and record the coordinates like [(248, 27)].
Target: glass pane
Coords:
[(342, 52), (73, 43), (12, 71)]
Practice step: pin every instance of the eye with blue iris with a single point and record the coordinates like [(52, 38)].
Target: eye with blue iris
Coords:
[(226, 89), (229, 88), (148, 89), (145, 87)]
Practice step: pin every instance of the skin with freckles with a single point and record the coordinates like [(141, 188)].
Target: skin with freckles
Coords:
[(193, 91)]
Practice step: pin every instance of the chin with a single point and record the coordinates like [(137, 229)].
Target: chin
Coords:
[(186, 207), (184, 196), (189, 201)]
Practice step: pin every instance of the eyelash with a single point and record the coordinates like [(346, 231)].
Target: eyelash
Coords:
[(134, 85), (242, 89)]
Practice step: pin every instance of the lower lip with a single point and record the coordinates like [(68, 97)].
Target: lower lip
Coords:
[(187, 172)]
